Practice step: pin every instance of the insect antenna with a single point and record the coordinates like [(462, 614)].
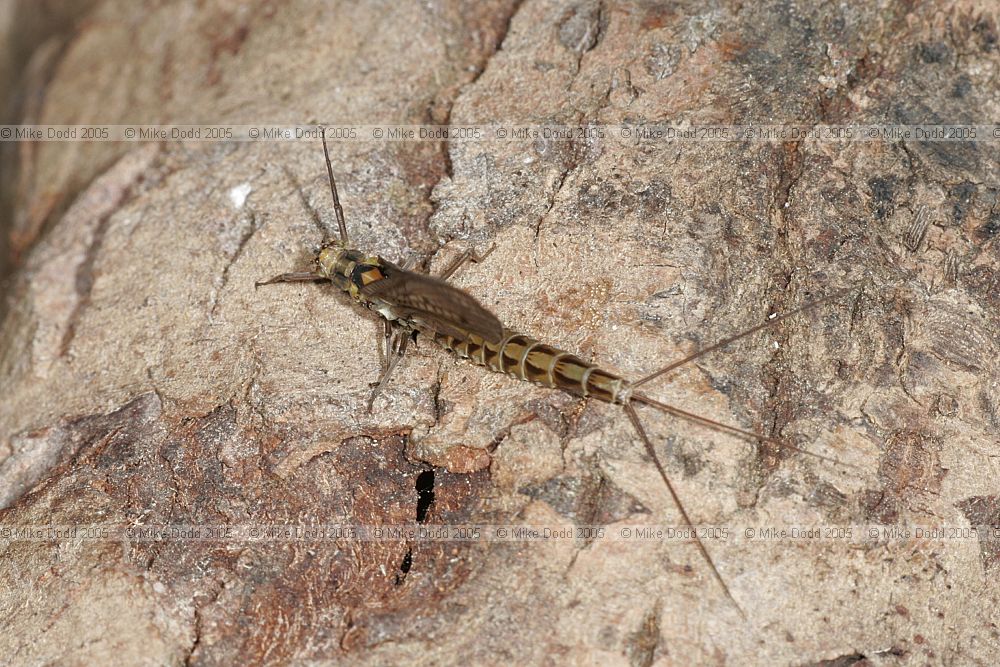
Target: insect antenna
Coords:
[(634, 417), (333, 191)]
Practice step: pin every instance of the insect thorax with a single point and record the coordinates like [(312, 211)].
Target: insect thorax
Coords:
[(349, 269)]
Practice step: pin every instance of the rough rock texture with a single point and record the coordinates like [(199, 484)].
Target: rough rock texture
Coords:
[(144, 381)]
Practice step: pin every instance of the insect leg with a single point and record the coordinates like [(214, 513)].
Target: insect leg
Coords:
[(387, 329), (397, 340), (634, 418), (467, 256), (294, 277)]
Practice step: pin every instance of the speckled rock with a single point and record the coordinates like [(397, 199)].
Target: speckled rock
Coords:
[(144, 381)]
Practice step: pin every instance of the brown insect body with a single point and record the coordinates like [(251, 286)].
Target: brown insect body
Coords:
[(414, 302), (376, 284), (528, 359)]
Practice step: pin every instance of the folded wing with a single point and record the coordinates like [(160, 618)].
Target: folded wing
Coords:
[(435, 304)]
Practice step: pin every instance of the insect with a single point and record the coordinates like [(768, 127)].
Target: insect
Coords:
[(411, 303)]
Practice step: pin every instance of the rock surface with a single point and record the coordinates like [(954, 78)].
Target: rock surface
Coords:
[(144, 381)]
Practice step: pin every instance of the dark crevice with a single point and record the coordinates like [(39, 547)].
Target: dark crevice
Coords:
[(199, 623), (84, 282), (845, 660), (425, 494), (249, 230), (436, 395), (425, 500), (479, 68), (790, 171), (497, 46), (582, 28), (449, 168), (189, 657), (404, 567)]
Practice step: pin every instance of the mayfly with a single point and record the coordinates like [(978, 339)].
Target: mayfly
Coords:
[(411, 303)]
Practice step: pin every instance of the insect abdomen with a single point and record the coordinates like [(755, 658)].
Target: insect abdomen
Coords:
[(527, 359)]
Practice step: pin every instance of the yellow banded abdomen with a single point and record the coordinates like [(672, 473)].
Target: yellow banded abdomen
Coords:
[(527, 359)]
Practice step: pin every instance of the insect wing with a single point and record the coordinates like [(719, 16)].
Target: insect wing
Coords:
[(436, 304)]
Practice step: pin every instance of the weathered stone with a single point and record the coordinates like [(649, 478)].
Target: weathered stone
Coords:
[(144, 381)]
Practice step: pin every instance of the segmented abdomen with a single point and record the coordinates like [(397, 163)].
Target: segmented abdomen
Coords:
[(527, 359)]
